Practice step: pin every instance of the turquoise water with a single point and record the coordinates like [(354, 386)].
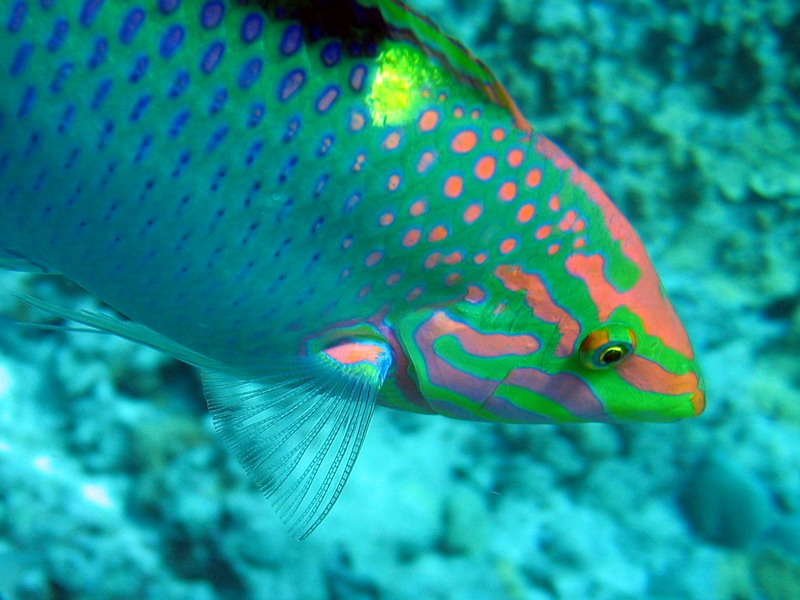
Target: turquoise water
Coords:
[(113, 484)]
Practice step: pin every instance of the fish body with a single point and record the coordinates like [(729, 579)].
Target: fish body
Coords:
[(325, 205)]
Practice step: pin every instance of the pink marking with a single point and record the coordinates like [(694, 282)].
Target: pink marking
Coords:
[(475, 294), (393, 279), (543, 232), (563, 389), (538, 298), (386, 219), (553, 248), (645, 297), (418, 208), (355, 352), (554, 203), (373, 258), (425, 161), (414, 293), (393, 183)]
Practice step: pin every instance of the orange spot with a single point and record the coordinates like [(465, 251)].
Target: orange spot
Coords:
[(498, 134), (453, 186), (453, 258), (357, 121), (452, 279), (393, 183), (411, 237), (580, 225), (543, 232), (553, 248), (437, 234), (458, 112), (533, 177), (475, 295), (525, 213), (508, 191), (373, 258), (392, 141), (393, 279), (464, 141), (515, 157), (386, 218), (476, 113), (484, 168), (429, 120), (425, 161), (568, 220), (554, 203), (472, 213), (433, 260), (414, 294), (507, 245), (479, 259), (579, 243), (426, 93), (359, 162), (442, 97), (418, 208)]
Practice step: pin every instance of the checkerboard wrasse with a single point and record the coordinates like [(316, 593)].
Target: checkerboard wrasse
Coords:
[(324, 205)]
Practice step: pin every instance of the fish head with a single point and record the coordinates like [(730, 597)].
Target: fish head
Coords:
[(583, 333)]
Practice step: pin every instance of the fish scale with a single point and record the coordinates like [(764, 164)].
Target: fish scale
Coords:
[(324, 205)]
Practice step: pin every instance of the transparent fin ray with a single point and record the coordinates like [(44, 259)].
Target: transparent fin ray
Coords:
[(299, 437)]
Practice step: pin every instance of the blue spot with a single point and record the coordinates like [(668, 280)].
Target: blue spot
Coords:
[(291, 40), (67, 118), (218, 101), (168, 6), (105, 134), (139, 68), (60, 30), (89, 12), (171, 41), (211, 14), (33, 144), (291, 84), (290, 164), (322, 181), (257, 111), (27, 101), (130, 26), (21, 58), (46, 4), (17, 16), (292, 127), (331, 54), (212, 57), (252, 26), (101, 93), (180, 85), (178, 122), (99, 53), (144, 146), (216, 138), (253, 152), (64, 70), (314, 229), (250, 73), (325, 146), (183, 160), (141, 106)]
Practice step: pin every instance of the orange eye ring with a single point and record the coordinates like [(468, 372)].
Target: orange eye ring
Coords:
[(607, 347)]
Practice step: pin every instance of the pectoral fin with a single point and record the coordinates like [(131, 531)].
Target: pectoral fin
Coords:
[(298, 433)]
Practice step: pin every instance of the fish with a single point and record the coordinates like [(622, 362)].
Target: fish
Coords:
[(324, 206)]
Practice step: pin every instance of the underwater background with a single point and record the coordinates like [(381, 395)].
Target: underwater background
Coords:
[(113, 483)]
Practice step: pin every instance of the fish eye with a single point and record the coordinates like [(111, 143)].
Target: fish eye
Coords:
[(607, 346)]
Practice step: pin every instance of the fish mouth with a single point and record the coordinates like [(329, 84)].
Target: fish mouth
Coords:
[(698, 400)]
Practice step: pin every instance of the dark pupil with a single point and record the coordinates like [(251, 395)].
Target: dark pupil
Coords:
[(611, 355)]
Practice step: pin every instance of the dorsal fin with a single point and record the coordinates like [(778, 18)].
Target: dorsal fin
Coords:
[(406, 24), (363, 24)]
